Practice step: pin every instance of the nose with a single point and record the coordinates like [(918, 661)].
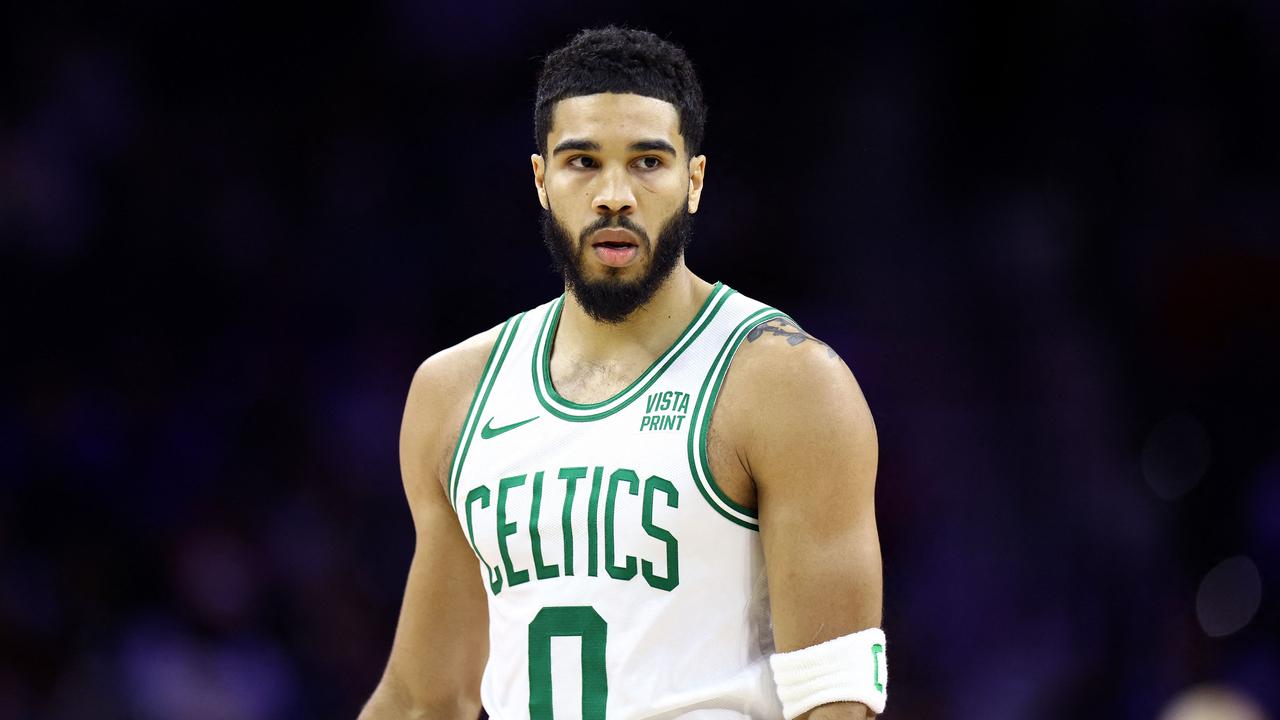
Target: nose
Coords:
[(613, 193)]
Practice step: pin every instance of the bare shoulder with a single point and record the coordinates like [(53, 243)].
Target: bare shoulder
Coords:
[(779, 345), (787, 392), (443, 375), (436, 407), (778, 361)]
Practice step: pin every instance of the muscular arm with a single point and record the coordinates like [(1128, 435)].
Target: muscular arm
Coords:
[(811, 451), (441, 640)]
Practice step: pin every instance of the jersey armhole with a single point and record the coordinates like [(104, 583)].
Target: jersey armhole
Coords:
[(492, 365), (699, 463)]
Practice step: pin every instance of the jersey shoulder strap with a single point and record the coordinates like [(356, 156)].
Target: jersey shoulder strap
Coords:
[(739, 317)]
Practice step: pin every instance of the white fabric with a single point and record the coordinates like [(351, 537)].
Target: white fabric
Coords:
[(851, 668), (657, 580)]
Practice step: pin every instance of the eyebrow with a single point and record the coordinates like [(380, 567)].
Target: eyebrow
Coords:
[(659, 145), (593, 146)]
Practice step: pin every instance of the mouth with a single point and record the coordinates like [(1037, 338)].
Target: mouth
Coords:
[(614, 238), (615, 247)]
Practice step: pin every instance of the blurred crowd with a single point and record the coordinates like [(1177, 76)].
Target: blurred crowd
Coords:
[(1045, 237)]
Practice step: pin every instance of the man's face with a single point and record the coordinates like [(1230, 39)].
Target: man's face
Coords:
[(618, 192)]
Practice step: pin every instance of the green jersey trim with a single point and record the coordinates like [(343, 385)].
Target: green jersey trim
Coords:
[(478, 400), (577, 412), (699, 465)]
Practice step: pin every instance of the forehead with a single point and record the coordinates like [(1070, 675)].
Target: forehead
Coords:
[(615, 117)]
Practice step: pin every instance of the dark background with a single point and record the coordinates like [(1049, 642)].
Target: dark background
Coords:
[(1043, 235)]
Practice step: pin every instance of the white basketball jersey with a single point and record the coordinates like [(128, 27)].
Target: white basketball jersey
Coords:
[(622, 582)]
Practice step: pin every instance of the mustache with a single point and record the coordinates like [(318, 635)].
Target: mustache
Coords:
[(613, 221)]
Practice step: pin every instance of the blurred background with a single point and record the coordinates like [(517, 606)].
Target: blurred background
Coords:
[(1045, 237)]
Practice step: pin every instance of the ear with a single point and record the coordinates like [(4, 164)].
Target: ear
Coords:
[(539, 179), (697, 171)]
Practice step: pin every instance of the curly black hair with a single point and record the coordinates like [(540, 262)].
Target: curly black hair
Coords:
[(621, 60)]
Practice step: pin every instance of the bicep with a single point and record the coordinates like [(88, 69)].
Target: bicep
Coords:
[(814, 466), (441, 640)]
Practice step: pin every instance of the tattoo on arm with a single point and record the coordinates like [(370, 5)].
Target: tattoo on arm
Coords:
[(781, 328)]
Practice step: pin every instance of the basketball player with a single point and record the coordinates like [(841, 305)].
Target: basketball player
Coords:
[(652, 495)]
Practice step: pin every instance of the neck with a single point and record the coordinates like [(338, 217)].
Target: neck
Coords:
[(649, 329)]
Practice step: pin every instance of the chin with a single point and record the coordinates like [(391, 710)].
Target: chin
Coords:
[(592, 269)]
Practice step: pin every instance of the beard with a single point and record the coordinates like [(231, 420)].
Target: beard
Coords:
[(611, 299)]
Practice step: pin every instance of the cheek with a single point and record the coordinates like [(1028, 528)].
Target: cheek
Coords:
[(564, 184), (664, 196), (664, 183), (568, 198)]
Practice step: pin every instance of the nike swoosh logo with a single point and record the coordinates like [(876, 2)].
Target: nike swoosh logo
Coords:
[(488, 432)]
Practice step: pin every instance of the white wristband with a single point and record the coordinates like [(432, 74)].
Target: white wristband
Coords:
[(850, 668)]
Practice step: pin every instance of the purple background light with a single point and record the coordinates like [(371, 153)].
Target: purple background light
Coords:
[(1036, 232)]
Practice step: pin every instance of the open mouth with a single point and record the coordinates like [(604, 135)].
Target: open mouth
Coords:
[(614, 247), (616, 238)]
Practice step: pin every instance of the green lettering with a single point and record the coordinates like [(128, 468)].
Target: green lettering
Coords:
[(679, 421), (571, 476), (633, 486), (481, 493), (666, 401), (506, 529), (684, 403), (876, 651), (568, 621), (543, 570), (644, 421), (672, 578), (593, 506)]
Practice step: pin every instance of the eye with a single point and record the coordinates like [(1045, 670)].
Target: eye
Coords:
[(649, 162), (582, 161)]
